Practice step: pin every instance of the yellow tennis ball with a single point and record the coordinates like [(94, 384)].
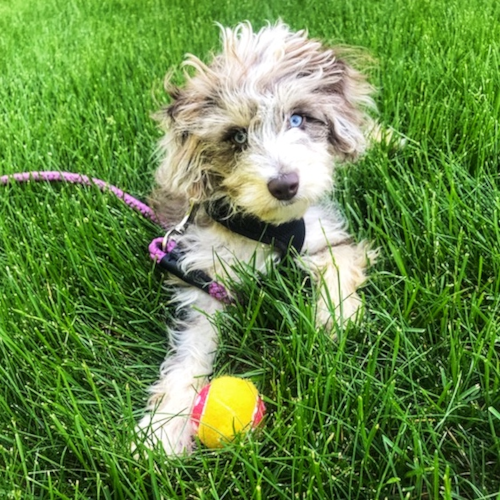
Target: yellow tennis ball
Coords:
[(226, 407)]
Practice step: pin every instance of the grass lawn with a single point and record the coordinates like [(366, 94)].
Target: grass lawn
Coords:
[(405, 405)]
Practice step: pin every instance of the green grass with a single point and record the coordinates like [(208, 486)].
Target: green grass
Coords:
[(405, 405)]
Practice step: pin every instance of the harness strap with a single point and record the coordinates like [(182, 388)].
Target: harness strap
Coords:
[(284, 237), (168, 259)]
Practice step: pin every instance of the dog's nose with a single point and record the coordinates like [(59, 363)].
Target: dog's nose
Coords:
[(284, 187)]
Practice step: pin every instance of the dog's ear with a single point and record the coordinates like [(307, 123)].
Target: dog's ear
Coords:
[(346, 102), (176, 102), (181, 169), (168, 116)]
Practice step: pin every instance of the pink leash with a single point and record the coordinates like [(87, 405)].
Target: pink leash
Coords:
[(84, 180), (157, 251)]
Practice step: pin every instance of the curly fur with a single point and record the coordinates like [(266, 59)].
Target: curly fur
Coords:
[(229, 133)]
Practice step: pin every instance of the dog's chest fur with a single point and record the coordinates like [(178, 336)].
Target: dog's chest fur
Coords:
[(217, 250)]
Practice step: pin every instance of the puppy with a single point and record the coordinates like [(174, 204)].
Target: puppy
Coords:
[(251, 141)]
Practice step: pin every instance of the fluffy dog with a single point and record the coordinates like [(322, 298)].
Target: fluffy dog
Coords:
[(258, 132)]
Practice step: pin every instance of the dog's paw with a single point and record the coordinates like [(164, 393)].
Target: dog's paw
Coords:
[(172, 432), (333, 318)]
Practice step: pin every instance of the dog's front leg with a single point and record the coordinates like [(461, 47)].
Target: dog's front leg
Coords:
[(182, 374), (339, 271)]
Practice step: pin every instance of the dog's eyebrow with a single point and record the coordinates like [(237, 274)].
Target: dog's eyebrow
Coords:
[(307, 108), (314, 119)]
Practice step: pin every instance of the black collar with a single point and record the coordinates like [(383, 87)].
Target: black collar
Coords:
[(284, 237)]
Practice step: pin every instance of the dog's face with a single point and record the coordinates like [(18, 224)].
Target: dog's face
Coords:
[(263, 124)]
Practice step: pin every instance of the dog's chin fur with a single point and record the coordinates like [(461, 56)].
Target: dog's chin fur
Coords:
[(229, 133)]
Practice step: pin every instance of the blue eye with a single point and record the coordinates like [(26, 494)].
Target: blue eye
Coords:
[(240, 137), (296, 120)]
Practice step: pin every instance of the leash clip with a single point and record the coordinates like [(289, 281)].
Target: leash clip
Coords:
[(182, 226)]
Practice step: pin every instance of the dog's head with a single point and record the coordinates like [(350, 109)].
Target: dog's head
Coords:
[(264, 123)]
